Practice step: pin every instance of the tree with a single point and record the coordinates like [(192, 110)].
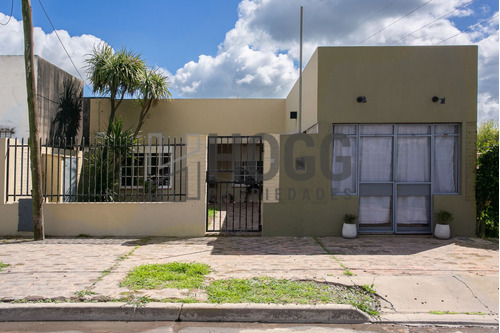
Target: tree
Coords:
[(487, 135), (103, 162), (487, 193), (35, 165), (152, 88), (114, 75)]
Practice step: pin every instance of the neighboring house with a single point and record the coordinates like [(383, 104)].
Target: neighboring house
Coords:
[(388, 134), (52, 83)]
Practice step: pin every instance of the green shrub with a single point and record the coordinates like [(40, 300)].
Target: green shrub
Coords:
[(487, 193)]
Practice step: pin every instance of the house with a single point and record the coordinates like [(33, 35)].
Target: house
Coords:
[(53, 86), (386, 133)]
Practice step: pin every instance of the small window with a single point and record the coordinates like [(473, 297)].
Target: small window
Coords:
[(132, 171), (6, 132), (159, 169), (149, 167), (247, 171)]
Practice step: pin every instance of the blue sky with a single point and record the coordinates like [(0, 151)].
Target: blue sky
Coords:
[(249, 48), (165, 31)]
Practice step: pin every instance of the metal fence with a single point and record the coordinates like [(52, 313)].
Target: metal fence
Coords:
[(101, 170)]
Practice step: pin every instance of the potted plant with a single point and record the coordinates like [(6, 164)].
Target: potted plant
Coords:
[(349, 229), (443, 218)]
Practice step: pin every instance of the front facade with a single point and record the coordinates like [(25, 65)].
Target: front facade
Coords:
[(403, 151), (398, 155), (387, 134)]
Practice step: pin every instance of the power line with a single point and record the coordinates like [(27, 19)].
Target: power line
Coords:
[(60, 41), (11, 11), (471, 27), (411, 33), (366, 19), (399, 19)]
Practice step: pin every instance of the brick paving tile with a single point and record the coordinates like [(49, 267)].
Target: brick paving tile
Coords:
[(231, 257), (59, 267), (415, 255), (56, 267)]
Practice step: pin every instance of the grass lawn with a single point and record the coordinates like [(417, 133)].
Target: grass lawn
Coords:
[(256, 290), (172, 275), (212, 212), (280, 291)]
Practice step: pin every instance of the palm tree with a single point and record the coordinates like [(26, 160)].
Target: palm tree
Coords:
[(114, 74), (153, 87)]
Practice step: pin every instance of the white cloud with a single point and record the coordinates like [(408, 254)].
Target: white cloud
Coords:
[(259, 56), (47, 45), (487, 107)]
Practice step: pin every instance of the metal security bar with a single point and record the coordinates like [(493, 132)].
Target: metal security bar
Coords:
[(101, 170)]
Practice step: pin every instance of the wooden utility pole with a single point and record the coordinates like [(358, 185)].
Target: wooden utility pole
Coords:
[(36, 169)]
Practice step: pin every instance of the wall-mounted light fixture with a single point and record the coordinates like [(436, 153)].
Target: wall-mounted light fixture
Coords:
[(293, 114), (361, 99), (436, 99)]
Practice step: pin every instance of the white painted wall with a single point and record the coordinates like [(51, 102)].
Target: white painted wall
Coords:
[(13, 98)]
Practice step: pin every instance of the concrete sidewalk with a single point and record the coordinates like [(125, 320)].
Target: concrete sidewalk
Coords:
[(423, 280)]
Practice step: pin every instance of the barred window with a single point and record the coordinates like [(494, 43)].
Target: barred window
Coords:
[(151, 168)]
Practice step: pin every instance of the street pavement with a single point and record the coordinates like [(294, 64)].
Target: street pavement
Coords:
[(421, 280)]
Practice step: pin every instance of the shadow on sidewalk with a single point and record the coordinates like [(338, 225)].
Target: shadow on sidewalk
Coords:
[(363, 245)]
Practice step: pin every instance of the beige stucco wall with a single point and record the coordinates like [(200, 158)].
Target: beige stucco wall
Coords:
[(206, 116), (399, 83), (271, 171), (124, 219), (309, 99), (8, 211), (177, 219), (305, 206), (185, 218)]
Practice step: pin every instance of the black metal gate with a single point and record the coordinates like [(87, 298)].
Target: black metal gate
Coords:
[(234, 184)]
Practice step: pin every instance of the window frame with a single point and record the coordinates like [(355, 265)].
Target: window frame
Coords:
[(432, 135), (142, 169)]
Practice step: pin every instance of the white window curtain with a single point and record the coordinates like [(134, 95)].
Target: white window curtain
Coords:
[(445, 164), (344, 180), (413, 210), (344, 165), (413, 159), (375, 210), (375, 159)]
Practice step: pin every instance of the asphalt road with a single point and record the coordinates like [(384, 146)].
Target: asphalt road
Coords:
[(186, 327)]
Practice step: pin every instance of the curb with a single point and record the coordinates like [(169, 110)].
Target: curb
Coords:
[(263, 313), (271, 313), (445, 319)]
